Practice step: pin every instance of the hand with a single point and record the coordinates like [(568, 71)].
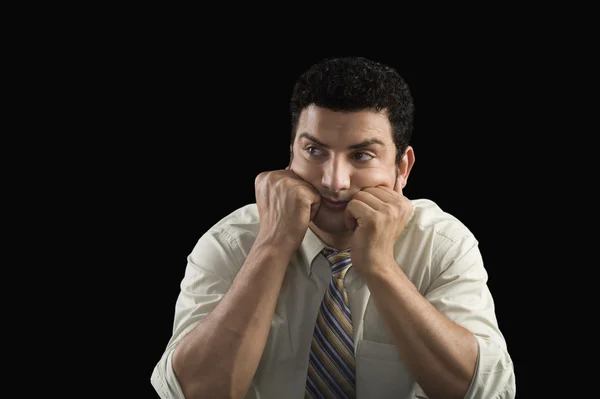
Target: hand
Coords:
[(286, 205), (377, 215)]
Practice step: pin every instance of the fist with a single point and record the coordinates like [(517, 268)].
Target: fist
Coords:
[(286, 205)]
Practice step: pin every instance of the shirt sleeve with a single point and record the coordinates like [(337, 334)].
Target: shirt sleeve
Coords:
[(462, 294), (208, 275)]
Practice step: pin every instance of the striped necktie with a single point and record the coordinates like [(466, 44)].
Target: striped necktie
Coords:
[(331, 361)]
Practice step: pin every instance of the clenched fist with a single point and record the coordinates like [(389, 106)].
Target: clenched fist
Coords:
[(286, 205), (378, 216)]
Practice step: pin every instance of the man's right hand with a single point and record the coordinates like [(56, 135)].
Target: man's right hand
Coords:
[(286, 205)]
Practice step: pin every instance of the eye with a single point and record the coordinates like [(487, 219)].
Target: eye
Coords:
[(362, 156), (313, 151)]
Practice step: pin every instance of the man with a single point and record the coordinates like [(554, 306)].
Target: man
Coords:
[(334, 284)]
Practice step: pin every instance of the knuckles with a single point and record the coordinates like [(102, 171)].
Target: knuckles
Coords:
[(283, 182)]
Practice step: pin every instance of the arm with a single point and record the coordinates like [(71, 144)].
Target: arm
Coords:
[(228, 297), (449, 338), (461, 293), (219, 357), (440, 353)]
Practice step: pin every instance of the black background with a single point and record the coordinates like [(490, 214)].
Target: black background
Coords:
[(134, 129)]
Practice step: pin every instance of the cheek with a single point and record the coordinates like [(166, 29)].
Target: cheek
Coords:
[(373, 177), (307, 171)]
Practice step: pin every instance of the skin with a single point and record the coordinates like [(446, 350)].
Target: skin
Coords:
[(324, 156), (219, 356), (336, 157)]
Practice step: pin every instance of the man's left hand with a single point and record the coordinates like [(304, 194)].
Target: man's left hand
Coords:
[(377, 215)]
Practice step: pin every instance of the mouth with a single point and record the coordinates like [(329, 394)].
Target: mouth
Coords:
[(334, 205)]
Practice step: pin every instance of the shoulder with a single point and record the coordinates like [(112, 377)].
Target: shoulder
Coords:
[(247, 214), (433, 241), (241, 221), (222, 248), (429, 218)]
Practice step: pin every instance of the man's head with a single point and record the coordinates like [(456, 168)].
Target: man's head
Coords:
[(352, 120)]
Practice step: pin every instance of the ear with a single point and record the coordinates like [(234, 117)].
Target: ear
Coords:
[(291, 156), (405, 165)]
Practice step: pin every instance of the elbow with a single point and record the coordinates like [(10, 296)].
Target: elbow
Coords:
[(469, 364), (494, 375), (194, 379), (462, 372), (210, 389), (204, 379)]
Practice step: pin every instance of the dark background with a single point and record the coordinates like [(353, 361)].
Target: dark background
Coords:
[(189, 131), (130, 131)]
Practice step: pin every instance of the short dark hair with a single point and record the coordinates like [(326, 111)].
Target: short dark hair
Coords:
[(351, 84)]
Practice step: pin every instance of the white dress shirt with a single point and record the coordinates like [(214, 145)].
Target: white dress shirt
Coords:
[(436, 251)]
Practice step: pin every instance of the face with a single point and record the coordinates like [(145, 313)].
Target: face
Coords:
[(340, 154)]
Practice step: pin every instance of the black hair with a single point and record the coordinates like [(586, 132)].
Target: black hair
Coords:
[(350, 84)]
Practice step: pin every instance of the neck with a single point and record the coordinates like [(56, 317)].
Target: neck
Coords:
[(340, 241)]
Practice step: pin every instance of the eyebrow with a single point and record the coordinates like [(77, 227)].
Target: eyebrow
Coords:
[(360, 145)]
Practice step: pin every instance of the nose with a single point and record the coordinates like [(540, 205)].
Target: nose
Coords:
[(336, 175)]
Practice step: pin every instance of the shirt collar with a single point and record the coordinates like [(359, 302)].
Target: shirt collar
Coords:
[(309, 249), (312, 245)]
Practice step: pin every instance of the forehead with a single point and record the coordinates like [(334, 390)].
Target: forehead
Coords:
[(344, 127)]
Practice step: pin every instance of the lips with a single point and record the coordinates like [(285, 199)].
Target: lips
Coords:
[(335, 205)]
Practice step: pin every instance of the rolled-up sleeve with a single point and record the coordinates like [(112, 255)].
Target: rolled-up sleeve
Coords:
[(462, 294), (208, 275)]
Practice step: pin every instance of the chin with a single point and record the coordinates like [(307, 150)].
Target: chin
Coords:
[(331, 224)]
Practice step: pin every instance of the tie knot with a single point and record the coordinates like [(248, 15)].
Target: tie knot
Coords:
[(339, 261)]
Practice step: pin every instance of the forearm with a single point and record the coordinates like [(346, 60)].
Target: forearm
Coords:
[(440, 353), (219, 357)]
